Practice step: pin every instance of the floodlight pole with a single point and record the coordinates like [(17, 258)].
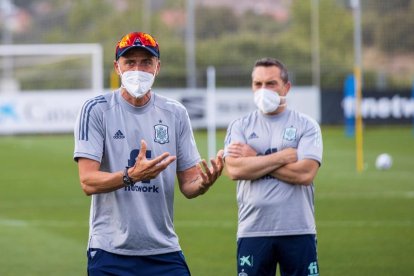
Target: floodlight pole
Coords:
[(356, 7), (211, 111), (146, 16), (316, 68), (7, 39), (190, 46)]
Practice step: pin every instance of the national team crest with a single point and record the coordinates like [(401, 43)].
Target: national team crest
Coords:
[(290, 134), (161, 134)]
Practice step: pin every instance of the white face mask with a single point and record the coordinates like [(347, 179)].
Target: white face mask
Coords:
[(267, 100), (137, 83)]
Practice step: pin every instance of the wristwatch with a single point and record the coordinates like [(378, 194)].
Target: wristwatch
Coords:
[(127, 180)]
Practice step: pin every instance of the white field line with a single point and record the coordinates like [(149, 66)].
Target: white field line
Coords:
[(365, 223), (367, 195), (34, 223), (64, 224), (211, 224), (205, 224), (45, 203)]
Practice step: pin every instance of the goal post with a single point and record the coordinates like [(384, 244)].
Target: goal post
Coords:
[(63, 51), (43, 86)]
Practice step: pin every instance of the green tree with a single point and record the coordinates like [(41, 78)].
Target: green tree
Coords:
[(335, 44), (215, 22), (392, 36)]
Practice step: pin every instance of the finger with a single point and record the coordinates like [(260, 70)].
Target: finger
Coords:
[(215, 168), (230, 150), (219, 158), (157, 168), (235, 147), (165, 162), (234, 151), (207, 172), (219, 162), (234, 155), (202, 174), (236, 144), (205, 165), (213, 163), (143, 150), (159, 159)]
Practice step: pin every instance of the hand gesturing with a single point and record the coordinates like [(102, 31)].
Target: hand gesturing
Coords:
[(144, 169)]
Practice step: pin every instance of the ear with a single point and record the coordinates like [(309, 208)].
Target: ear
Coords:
[(287, 88), (116, 68), (158, 68)]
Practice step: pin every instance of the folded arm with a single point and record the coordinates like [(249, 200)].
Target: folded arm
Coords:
[(243, 163), (301, 172)]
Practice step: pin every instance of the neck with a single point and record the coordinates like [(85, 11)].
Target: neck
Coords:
[(279, 110), (136, 101)]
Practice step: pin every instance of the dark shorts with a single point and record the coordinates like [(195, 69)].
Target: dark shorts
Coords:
[(103, 263), (296, 255)]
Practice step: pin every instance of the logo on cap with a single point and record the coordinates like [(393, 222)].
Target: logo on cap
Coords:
[(137, 39)]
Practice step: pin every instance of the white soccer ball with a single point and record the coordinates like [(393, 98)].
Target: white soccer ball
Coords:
[(383, 162)]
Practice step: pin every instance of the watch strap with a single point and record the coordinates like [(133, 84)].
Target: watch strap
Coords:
[(126, 179)]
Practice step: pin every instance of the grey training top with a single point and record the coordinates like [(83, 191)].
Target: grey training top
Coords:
[(137, 220), (268, 206)]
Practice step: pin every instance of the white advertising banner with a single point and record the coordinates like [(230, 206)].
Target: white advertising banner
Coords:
[(232, 103), (40, 112), (56, 111)]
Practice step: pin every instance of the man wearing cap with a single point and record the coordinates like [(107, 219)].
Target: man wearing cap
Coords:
[(130, 145)]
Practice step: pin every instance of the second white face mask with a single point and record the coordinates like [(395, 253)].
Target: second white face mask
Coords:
[(137, 83), (267, 100)]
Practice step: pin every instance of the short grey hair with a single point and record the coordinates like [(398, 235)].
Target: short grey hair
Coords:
[(268, 62)]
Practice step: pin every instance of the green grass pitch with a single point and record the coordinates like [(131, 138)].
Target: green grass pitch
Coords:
[(365, 220)]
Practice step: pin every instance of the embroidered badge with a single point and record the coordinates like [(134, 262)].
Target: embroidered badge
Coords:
[(290, 134), (161, 134)]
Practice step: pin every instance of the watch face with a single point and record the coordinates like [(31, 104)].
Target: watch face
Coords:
[(126, 179)]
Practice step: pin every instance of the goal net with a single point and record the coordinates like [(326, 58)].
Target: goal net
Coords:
[(41, 67)]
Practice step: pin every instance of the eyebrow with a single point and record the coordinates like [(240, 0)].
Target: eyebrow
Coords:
[(145, 59), (271, 82)]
